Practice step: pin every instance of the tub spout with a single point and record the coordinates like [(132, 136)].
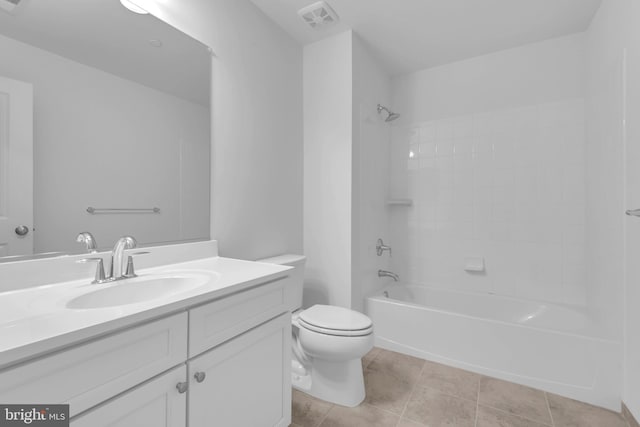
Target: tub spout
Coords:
[(385, 273)]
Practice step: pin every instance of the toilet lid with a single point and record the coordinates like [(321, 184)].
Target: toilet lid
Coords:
[(335, 320)]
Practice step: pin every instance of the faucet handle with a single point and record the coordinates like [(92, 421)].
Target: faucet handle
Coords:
[(99, 277), (381, 247), (130, 269)]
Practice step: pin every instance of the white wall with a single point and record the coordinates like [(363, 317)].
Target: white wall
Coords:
[(370, 186), (345, 170), (103, 141), (491, 150), (605, 160), (614, 139), (328, 98), (256, 192)]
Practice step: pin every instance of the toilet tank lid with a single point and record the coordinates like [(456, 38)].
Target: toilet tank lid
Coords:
[(286, 259)]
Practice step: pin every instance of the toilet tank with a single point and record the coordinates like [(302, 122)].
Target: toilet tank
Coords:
[(296, 276)]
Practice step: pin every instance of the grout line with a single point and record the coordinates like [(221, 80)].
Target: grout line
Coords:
[(383, 410), (413, 389), (373, 358), (546, 399), (325, 416), (475, 423), (511, 414), (378, 353)]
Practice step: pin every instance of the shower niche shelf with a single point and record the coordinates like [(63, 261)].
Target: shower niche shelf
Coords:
[(399, 202)]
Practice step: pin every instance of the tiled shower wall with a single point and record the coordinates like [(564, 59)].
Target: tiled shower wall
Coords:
[(492, 152), (506, 186)]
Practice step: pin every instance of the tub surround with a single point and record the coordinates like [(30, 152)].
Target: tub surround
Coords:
[(34, 319)]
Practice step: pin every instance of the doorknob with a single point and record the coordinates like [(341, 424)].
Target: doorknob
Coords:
[(21, 230), (633, 212)]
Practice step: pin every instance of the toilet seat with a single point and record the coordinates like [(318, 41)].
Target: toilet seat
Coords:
[(338, 321)]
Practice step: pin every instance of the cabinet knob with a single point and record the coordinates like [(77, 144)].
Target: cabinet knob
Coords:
[(22, 230), (199, 376), (182, 387)]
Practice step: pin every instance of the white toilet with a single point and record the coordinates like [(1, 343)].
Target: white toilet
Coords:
[(327, 345)]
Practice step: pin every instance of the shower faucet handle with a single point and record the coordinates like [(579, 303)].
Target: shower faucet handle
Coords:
[(381, 247)]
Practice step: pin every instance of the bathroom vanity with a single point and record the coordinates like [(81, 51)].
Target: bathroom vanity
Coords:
[(213, 351)]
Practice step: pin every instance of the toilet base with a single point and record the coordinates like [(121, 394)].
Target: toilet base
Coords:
[(341, 383)]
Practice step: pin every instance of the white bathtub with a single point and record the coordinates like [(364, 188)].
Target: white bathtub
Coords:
[(546, 346)]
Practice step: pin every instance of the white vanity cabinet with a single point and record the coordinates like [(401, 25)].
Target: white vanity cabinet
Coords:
[(224, 362), (245, 382)]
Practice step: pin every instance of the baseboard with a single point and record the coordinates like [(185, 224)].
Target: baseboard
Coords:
[(629, 416)]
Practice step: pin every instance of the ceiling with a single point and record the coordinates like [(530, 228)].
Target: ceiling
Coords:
[(409, 35), (103, 34)]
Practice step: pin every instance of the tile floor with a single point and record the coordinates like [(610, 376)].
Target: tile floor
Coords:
[(404, 391)]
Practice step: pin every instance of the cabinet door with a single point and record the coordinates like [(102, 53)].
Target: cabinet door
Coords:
[(247, 380), (89, 374), (157, 403)]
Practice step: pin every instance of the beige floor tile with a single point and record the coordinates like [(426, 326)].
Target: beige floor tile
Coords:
[(435, 409), (489, 417), (404, 422), (516, 399), (307, 411), (389, 380), (571, 413), (453, 381), (370, 356), (360, 416)]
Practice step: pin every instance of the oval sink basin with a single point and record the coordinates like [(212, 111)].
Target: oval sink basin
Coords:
[(139, 289)]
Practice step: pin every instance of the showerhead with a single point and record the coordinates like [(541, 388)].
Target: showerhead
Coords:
[(391, 116)]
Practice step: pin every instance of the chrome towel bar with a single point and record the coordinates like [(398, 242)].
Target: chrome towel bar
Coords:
[(93, 210)]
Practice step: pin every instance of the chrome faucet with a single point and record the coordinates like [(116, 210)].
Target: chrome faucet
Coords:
[(118, 264), (385, 273), (89, 241), (117, 257)]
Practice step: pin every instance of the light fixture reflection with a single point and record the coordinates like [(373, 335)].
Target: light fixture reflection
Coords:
[(133, 7)]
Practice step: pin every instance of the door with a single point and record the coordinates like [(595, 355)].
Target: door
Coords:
[(160, 402), (16, 167), (245, 381), (631, 121)]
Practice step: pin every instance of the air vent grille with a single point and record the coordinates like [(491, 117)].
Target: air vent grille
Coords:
[(318, 15)]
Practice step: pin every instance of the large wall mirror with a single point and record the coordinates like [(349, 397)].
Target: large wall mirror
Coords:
[(121, 124)]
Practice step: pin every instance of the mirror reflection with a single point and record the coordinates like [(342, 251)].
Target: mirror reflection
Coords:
[(119, 123)]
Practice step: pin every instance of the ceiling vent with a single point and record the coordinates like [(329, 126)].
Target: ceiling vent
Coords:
[(318, 15), (10, 5)]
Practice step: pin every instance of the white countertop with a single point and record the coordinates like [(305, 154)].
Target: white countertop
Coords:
[(36, 320)]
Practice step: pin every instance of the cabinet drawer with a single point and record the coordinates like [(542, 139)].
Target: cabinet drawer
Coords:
[(90, 373), (218, 321)]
